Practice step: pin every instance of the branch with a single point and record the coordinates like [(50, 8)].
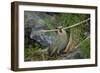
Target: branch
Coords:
[(65, 27), (77, 24)]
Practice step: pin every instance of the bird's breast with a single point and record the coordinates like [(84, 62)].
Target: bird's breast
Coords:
[(61, 40)]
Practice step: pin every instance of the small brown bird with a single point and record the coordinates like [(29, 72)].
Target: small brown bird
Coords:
[(60, 42)]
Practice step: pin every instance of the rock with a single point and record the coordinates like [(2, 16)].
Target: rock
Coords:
[(55, 41)]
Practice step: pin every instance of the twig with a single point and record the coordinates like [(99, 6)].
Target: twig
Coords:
[(77, 24), (74, 25)]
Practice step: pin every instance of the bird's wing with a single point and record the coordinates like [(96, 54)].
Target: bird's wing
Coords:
[(77, 24)]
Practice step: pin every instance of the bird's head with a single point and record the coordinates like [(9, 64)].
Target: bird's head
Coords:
[(60, 29)]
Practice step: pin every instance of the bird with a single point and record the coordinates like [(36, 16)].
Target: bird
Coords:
[(55, 39), (61, 40)]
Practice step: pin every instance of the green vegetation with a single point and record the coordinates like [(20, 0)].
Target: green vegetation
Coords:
[(85, 47), (76, 35)]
